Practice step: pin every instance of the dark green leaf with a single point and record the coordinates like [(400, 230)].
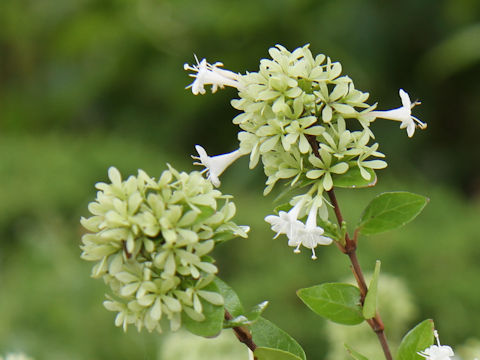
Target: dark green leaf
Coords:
[(264, 353), (370, 303), (268, 335), (353, 179), (214, 315), (391, 210), (337, 302), (356, 355), (232, 301), (417, 339)]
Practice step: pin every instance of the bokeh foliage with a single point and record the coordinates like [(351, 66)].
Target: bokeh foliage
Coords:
[(86, 84)]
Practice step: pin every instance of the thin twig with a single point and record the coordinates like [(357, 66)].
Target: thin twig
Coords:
[(242, 333), (375, 323)]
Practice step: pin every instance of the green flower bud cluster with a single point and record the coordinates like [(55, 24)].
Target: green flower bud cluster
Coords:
[(294, 112), (151, 241)]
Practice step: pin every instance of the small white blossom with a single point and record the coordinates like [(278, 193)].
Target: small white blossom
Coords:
[(310, 235), (403, 114), (437, 352), (215, 165), (286, 223), (208, 74)]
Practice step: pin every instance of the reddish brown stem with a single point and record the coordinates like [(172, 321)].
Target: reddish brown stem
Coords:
[(350, 249), (242, 333)]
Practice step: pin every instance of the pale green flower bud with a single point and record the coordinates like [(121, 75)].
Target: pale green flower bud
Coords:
[(151, 240)]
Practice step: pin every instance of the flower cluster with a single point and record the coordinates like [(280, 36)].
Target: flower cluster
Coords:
[(308, 235), (296, 116), (151, 241)]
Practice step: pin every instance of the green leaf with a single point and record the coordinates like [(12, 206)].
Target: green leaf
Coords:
[(264, 353), (417, 339), (249, 318), (337, 302), (214, 315), (232, 301), (353, 179), (356, 355), (391, 210), (370, 303), (267, 335), (235, 308)]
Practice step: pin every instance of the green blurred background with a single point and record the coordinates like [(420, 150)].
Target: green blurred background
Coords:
[(85, 84)]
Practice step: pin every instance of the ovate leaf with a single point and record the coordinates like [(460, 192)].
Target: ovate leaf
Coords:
[(370, 303), (232, 301), (268, 335), (417, 339), (391, 210), (337, 302)]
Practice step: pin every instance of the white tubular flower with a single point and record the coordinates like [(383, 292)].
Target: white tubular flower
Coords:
[(215, 165), (403, 114), (207, 74), (287, 223), (310, 235), (437, 352)]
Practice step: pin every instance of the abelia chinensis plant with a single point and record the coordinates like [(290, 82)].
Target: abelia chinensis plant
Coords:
[(150, 241), (312, 130)]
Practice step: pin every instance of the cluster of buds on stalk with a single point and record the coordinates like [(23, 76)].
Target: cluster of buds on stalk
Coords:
[(296, 116), (151, 242)]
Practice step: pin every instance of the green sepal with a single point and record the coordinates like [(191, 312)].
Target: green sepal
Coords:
[(267, 335), (355, 354), (337, 302), (370, 303), (283, 207), (390, 210), (353, 179), (214, 315), (417, 339), (205, 213)]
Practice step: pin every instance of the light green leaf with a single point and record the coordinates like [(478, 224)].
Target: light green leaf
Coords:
[(214, 315), (337, 302), (249, 318), (370, 303), (264, 353), (417, 339), (353, 179), (391, 210), (356, 355), (267, 335)]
